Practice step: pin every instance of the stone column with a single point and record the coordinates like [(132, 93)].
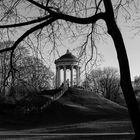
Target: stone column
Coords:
[(71, 75), (77, 75), (64, 74), (56, 79), (59, 76)]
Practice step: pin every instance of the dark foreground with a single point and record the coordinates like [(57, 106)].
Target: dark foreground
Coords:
[(90, 136), (77, 112), (96, 130)]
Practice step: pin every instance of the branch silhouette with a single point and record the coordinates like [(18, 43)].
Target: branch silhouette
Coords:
[(72, 19), (41, 25), (25, 23)]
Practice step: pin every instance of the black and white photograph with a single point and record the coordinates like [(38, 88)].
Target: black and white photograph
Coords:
[(69, 69)]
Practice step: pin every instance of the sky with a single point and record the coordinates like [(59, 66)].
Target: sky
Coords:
[(133, 51), (107, 49), (132, 44), (130, 29), (131, 39)]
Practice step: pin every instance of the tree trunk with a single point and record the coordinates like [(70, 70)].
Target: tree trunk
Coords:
[(126, 80), (126, 84)]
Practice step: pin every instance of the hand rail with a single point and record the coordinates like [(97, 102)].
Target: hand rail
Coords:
[(55, 96)]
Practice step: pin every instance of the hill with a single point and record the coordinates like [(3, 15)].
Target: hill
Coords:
[(78, 105), (75, 105)]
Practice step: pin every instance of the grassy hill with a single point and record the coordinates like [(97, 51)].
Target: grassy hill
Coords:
[(82, 105), (76, 105)]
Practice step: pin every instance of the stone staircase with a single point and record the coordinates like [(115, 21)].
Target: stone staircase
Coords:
[(55, 97)]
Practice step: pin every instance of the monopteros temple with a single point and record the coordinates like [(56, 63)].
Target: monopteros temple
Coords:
[(67, 61)]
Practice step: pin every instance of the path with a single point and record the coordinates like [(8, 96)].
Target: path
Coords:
[(68, 136)]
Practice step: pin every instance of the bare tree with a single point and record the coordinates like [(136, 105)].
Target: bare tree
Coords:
[(105, 82), (6, 75), (137, 81), (32, 71), (52, 18)]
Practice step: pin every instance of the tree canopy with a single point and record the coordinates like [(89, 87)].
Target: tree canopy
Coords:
[(42, 23)]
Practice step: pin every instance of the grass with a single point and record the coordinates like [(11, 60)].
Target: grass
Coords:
[(77, 111), (128, 137), (66, 131)]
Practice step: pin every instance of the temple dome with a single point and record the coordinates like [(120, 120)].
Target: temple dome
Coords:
[(68, 57)]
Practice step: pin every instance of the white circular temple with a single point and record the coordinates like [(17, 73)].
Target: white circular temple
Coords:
[(67, 61)]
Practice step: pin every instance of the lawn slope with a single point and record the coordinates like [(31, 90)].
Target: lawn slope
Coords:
[(77, 104)]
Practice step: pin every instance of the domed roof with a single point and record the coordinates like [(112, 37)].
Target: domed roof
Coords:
[(67, 57)]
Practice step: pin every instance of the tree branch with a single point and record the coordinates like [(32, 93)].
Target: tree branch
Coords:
[(72, 19), (25, 23), (41, 6), (49, 21)]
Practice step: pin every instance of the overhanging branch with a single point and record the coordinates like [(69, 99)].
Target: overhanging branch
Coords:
[(69, 18), (25, 23), (41, 6), (88, 20), (41, 25)]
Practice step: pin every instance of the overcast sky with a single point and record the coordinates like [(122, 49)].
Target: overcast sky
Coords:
[(107, 49), (131, 39)]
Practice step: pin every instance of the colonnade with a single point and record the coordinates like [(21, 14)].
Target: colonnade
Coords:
[(71, 68)]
